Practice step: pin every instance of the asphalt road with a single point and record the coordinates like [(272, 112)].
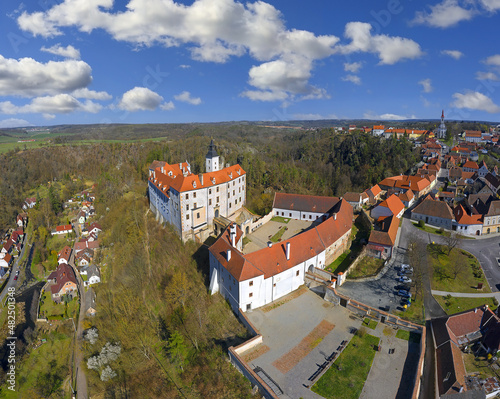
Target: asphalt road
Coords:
[(14, 269)]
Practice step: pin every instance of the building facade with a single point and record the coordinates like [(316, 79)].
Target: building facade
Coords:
[(190, 202)]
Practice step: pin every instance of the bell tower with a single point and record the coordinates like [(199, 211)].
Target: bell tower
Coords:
[(212, 162)]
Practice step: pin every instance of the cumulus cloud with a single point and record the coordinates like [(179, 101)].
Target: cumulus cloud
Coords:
[(66, 52), (167, 106), (58, 104), (390, 49), (140, 99), (185, 97), (476, 101), (353, 79), (91, 94), (453, 53), (426, 85), (443, 15), (216, 31), (486, 76), (494, 60), (27, 78), (353, 67), (14, 122)]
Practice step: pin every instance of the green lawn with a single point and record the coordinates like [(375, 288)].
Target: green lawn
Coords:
[(452, 305), (432, 230), (280, 219), (444, 268), (370, 323), (341, 263), (278, 235), (408, 336), (368, 266), (42, 370), (50, 309), (346, 377)]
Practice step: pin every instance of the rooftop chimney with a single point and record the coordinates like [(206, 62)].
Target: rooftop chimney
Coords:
[(228, 255), (180, 166), (269, 244), (334, 216), (287, 252), (162, 170), (201, 179)]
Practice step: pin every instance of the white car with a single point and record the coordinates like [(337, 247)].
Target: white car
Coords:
[(404, 279)]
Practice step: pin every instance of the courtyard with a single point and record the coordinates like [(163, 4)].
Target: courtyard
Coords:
[(301, 333)]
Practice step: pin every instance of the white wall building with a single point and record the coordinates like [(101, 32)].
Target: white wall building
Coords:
[(261, 277), (190, 202)]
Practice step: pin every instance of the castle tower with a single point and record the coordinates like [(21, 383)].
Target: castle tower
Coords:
[(212, 163), (441, 132)]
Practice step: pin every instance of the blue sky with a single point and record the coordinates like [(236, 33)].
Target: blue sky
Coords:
[(161, 61)]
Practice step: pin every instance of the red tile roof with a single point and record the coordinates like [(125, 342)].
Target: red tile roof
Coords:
[(270, 261), (462, 217), (64, 227), (394, 204), (470, 165), (65, 253), (386, 236), (63, 274)]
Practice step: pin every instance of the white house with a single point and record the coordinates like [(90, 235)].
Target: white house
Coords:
[(303, 207), (190, 202), (249, 281), (64, 229), (378, 130), (466, 224), (483, 169), (92, 273), (65, 255)]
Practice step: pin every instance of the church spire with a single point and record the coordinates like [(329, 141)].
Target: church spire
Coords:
[(212, 158)]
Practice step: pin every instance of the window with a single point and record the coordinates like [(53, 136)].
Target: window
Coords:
[(250, 295), (187, 196), (194, 194), (217, 188), (310, 217), (187, 217), (298, 272), (236, 202), (230, 205), (195, 206), (198, 215), (209, 191), (282, 213), (234, 192), (249, 306), (233, 182), (240, 190), (250, 283), (274, 285), (210, 201), (290, 214), (217, 199), (228, 194), (187, 207)]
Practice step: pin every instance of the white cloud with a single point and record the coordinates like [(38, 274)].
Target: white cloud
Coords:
[(140, 99), (184, 66), (490, 5), (387, 117), (14, 122), (453, 53), (66, 52), (352, 78), (185, 97), (58, 104), (390, 49), (167, 106), (493, 60), (486, 76), (444, 15), (217, 30), (27, 78), (426, 85), (475, 100), (91, 94), (353, 67)]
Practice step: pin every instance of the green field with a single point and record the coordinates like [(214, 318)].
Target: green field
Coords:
[(452, 305), (346, 377), (368, 266)]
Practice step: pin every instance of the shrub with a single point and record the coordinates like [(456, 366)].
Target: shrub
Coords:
[(361, 332), (421, 223)]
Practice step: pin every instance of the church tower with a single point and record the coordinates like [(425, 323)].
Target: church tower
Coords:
[(441, 132), (212, 163)]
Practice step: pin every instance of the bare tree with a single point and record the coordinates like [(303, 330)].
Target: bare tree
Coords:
[(451, 241), (459, 265), (417, 254)]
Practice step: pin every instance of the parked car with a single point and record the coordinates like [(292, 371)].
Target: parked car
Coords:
[(15, 277), (404, 294), (406, 267), (404, 279), (402, 287)]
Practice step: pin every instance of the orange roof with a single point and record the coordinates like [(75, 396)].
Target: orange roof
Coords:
[(406, 196), (375, 190), (470, 165), (64, 227), (415, 183), (180, 179), (379, 127), (472, 133), (394, 204), (272, 260), (388, 234), (462, 217)]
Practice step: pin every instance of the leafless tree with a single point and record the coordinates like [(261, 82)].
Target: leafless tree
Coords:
[(451, 241)]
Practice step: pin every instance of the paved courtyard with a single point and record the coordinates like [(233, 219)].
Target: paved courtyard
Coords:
[(300, 334), (262, 235)]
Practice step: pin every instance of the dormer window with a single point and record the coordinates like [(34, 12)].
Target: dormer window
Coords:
[(194, 184), (239, 172), (231, 175), (170, 173), (213, 180)]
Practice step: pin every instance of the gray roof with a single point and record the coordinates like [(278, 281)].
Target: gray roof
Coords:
[(433, 208), (304, 203), (212, 153)]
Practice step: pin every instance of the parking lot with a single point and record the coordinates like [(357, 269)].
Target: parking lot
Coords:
[(379, 293)]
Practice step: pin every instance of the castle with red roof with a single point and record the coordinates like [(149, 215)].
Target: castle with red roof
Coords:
[(190, 202)]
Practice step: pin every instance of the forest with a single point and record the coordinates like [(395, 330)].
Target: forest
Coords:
[(170, 337)]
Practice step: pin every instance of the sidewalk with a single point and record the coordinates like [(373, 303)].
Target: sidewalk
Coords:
[(465, 295)]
